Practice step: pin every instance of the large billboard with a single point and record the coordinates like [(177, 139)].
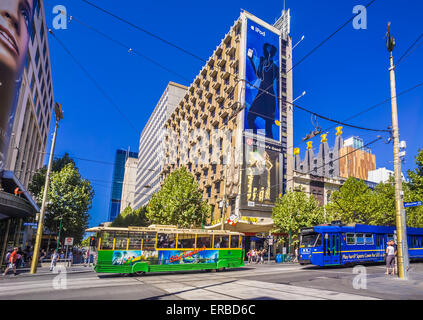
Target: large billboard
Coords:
[(15, 31), (262, 175), (262, 107)]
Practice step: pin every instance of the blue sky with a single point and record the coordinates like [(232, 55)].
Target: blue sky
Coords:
[(345, 76)]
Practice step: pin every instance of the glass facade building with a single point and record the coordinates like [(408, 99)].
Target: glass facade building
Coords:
[(118, 176)]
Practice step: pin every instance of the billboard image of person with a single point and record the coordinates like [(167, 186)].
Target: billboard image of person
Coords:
[(15, 31), (262, 86)]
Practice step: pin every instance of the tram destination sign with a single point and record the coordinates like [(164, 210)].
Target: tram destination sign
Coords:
[(413, 204)]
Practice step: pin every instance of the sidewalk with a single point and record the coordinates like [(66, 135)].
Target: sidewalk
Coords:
[(25, 272)]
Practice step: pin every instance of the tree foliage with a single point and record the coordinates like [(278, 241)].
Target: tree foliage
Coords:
[(351, 203), (296, 210), (39, 177), (179, 202), (129, 217), (69, 198)]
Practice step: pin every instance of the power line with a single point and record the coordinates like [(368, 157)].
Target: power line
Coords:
[(93, 79)]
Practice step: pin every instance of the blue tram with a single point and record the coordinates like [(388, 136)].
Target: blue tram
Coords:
[(338, 244)]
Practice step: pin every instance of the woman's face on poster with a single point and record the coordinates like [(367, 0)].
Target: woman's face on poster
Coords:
[(15, 25)]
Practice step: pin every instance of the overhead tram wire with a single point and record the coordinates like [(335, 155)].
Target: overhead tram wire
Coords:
[(332, 160), (236, 76), (329, 37), (410, 50), (144, 30), (93, 79), (129, 49)]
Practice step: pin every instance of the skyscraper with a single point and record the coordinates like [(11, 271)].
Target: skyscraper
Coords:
[(118, 176), (151, 147)]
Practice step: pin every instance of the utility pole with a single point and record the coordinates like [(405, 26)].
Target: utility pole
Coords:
[(36, 253), (400, 215)]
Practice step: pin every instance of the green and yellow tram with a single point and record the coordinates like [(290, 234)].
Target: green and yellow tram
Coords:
[(165, 248)]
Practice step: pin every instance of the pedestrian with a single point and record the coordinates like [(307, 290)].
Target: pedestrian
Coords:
[(42, 255), (13, 257), (249, 256), (396, 259), (70, 257), (296, 254), (254, 255), (262, 256), (62, 255), (258, 257), (54, 257), (390, 258)]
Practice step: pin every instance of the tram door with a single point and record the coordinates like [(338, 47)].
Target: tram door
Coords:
[(331, 248)]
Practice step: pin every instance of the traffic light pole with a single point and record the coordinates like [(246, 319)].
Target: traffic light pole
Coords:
[(400, 214)]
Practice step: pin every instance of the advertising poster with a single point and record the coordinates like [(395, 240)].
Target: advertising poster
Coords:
[(128, 257), (262, 177), (190, 257), (15, 31), (262, 114)]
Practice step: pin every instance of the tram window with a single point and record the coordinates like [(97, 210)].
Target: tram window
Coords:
[(360, 238), (369, 238), (204, 241), (148, 241), (166, 240), (135, 240), (186, 240), (221, 241), (235, 241), (350, 238), (121, 240), (107, 240)]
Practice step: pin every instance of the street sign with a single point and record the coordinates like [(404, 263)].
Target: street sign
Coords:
[(413, 204), (68, 241)]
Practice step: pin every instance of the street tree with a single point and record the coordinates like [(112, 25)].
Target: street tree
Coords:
[(415, 192), (129, 217), (69, 199), (351, 203), (39, 177), (296, 210), (179, 202)]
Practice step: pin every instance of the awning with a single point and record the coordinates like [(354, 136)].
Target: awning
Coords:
[(12, 206), (263, 225)]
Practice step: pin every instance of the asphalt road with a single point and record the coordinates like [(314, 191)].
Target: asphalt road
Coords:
[(252, 282)]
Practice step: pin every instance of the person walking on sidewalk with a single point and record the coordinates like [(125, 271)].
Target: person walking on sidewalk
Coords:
[(390, 258), (396, 259), (54, 258), (12, 262)]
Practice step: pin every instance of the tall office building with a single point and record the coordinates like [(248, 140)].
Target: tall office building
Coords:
[(35, 105), (118, 176), (28, 139), (355, 160), (129, 183), (151, 148), (233, 128)]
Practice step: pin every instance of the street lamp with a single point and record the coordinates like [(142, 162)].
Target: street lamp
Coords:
[(302, 38), (34, 264), (300, 96)]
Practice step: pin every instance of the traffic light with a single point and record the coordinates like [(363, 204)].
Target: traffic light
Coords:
[(92, 241)]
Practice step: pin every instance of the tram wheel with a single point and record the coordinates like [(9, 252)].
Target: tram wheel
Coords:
[(139, 273), (221, 269)]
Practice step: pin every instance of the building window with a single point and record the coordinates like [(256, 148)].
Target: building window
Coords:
[(209, 192)]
